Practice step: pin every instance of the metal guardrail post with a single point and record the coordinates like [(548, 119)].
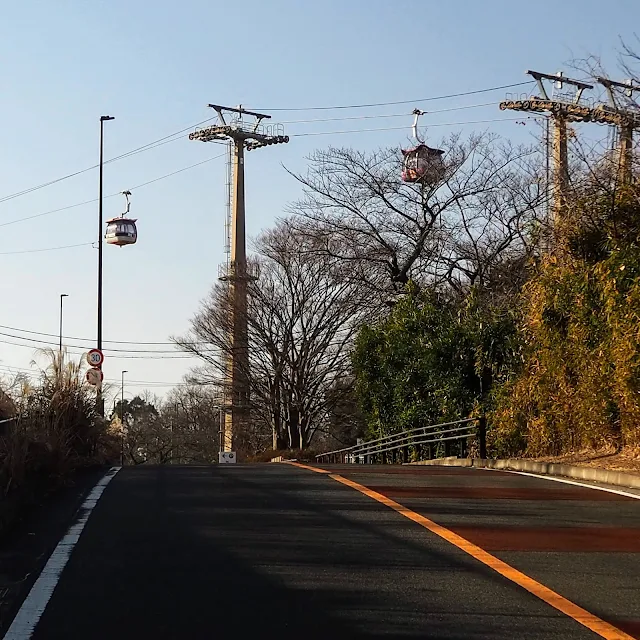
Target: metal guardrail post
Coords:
[(482, 436)]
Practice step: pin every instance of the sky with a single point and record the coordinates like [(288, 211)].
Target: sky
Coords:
[(155, 67)]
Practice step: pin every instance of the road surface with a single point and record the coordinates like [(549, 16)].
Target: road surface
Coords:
[(279, 551)]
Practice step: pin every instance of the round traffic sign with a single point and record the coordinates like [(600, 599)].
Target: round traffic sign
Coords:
[(95, 376), (95, 357)]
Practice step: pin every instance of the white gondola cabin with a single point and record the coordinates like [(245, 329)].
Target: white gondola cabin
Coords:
[(122, 231), (422, 164)]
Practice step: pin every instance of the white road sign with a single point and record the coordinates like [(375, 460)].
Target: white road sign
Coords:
[(226, 457)]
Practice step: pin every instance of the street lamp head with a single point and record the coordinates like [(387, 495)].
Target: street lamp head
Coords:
[(64, 295), (105, 118)]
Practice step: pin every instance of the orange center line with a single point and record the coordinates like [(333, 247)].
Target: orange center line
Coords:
[(577, 613), (306, 466)]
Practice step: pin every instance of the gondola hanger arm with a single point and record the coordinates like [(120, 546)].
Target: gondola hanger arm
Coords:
[(417, 113), (127, 194)]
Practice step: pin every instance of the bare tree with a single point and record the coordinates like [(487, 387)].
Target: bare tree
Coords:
[(303, 314), (191, 413), (356, 205), (487, 239)]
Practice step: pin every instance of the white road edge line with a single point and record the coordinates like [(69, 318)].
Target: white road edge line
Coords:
[(35, 603), (567, 481)]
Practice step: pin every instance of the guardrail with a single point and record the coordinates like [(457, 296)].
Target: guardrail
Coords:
[(422, 443)]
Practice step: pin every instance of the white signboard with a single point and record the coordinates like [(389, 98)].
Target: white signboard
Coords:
[(226, 457)]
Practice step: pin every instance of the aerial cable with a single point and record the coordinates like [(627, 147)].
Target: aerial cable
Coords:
[(389, 115), (66, 246), (397, 102), (151, 145), (175, 136), (435, 124), (112, 195)]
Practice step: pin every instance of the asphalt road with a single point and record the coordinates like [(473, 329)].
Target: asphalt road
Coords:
[(277, 551)]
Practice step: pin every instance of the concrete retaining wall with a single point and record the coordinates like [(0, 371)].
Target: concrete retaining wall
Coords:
[(617, 478)]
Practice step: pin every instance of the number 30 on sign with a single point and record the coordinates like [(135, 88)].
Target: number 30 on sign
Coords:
[(95, 357)]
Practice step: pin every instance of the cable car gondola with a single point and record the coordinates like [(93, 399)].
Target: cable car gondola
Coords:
[(422, 163), (122, 231)]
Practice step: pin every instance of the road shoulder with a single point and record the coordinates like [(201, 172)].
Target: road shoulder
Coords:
[(25, 550)]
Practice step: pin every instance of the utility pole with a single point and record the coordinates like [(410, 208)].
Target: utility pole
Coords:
[(99, 398), (122, 419), (625, 120), (62, 297), (562, 111), (242, 135)]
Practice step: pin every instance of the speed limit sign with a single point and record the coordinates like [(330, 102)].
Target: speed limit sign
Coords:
[(95, 357)]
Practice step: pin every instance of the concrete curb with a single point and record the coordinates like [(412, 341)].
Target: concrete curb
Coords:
[(616, 478)]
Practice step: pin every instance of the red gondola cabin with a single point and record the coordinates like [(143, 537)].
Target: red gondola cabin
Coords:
[(422, 164)]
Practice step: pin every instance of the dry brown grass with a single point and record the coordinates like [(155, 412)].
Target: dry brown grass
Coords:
[(628, 459), (57, 432)]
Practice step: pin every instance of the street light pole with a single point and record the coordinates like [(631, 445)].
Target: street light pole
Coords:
[(122, 419), (62, 295), (103, 119)]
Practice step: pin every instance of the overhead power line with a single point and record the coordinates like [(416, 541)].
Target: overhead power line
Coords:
[(55, 335), (84, 347), (74, 351)]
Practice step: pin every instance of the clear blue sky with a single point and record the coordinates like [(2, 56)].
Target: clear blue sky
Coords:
[(154, 66)]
